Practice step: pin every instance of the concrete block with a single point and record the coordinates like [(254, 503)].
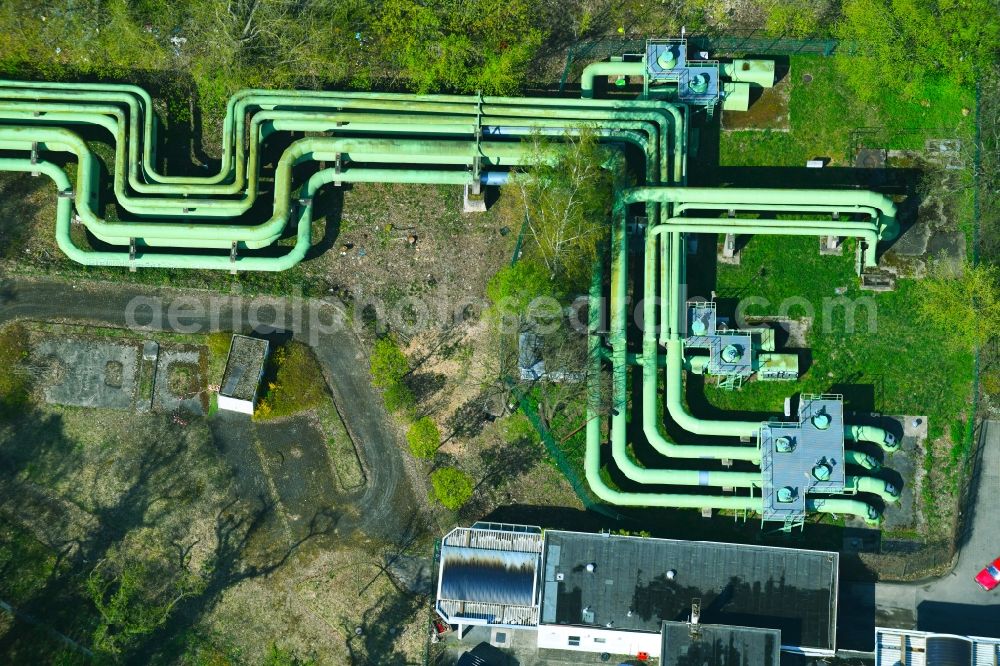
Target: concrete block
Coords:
[(473, 203)]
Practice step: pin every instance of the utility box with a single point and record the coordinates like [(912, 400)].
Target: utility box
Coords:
[(244, 372)]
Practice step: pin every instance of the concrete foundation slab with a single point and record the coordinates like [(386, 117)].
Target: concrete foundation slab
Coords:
[(913, 241), (949, 248), (90, 373), (164, 398)]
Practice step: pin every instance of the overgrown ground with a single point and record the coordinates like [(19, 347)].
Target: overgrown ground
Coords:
[(214, 539)]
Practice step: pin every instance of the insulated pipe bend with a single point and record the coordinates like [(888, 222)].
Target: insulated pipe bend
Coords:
[(592, 460), (651, 365), (862, 459), (888, 228), (866, 433), (593, 70), (870, 484), (292, 103)]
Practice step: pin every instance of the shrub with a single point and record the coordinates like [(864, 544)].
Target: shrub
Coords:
[(516, 286), (218, 344), (298, 383), (484, 45), (963, 304), (906, 44), (452, 487), (277, 656), (388, 363), (399, 398), (424, 438)]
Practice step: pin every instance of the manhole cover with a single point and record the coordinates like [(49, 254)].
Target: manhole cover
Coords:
[(807, 78), (870, 158)]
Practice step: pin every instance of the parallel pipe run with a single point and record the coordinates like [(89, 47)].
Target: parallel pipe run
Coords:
[(441, 139), (669, 233), (414, 130), (413, 113), (592, 460)]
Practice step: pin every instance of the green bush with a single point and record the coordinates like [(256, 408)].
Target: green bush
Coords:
[(964, 305), (388, 363), (424, 437), (452, 487), (904, 44), (469, 46), (277, 656), (399, 398), (298, 383), (218, 344), (516, 286)]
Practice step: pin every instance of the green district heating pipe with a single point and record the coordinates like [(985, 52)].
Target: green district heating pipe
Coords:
[(881, 224), (650, 362), (377, 137), (432, 139), (695, 500)]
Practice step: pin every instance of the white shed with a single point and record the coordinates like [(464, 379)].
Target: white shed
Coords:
[(244, 372)]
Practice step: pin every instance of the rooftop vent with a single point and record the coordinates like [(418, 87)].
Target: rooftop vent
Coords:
[(787, 494), (732, 353), (784, 444), (822, 471), (821, 420), (667, 58)]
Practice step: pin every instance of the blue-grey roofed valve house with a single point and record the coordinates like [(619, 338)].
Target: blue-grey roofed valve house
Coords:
[(243, 374), (802, 457), (628, 596)]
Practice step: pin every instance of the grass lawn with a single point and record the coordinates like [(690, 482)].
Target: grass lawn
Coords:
[(824, 116), (888, 362)]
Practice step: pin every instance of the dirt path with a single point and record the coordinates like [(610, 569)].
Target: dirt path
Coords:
[(387, 503)]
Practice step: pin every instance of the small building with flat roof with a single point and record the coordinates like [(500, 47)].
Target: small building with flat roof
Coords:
[(488, 575), (620, 589), (243, 374)]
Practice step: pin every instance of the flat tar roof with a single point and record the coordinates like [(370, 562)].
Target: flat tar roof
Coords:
[(630, 586), (718, 645), (243, 367)]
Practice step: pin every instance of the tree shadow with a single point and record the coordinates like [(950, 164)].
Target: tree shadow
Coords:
[(471, 417), (499, 464), (240, 554), (857, 397), (425, 385)]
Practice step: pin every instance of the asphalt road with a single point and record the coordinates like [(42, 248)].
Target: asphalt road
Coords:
[(387, 501), (953, 603)]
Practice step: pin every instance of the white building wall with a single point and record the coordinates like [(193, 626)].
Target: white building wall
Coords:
[(234, 405), (594, 639)]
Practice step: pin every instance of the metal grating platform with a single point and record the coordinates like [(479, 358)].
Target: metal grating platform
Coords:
[(697, 79), (788, 476), (704, 333)]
